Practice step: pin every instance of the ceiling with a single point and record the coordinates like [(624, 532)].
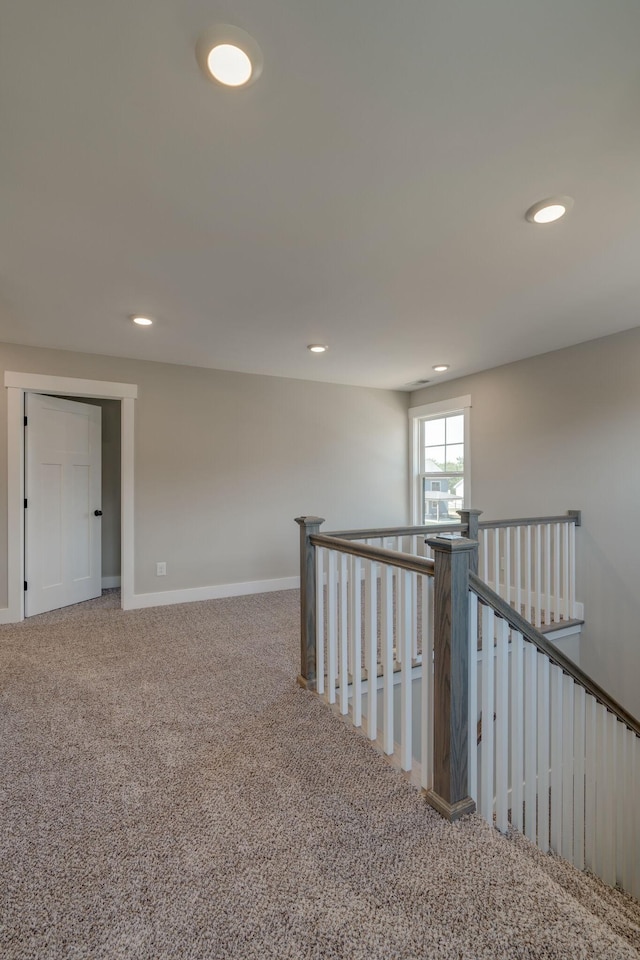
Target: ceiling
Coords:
[(368, 191)]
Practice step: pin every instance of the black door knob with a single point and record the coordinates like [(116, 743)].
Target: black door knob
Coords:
[(97, 513)]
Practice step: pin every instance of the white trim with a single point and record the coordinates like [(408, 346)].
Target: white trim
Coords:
[(110, 583), (575, 630), (440, 406), (16, 384), (43, 383), (194, 594), (416, 414), (127, 516)]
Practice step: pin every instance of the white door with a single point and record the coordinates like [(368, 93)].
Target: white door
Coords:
[(63, 503)]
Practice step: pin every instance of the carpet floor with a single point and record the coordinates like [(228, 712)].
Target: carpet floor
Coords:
[(167, 791)]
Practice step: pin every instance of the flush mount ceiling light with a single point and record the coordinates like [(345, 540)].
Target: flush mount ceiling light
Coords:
[(550, 210), (318, 347), (142, 321), (441, 367), (229, 56)]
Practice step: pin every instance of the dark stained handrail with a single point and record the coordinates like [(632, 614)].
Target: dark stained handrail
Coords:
[(572, 517), (377, 533), (405, 561), (529, 632)]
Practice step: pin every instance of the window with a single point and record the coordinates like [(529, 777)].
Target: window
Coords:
[(440, 468)]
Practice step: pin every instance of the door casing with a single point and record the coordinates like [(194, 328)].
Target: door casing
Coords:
[(17, 384)]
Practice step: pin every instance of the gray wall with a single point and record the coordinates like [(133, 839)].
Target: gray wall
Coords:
[(225, 461), (561, 431)]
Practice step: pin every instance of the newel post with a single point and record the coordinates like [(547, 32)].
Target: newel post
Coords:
[(449, 795), (308, 526), (470, 517)]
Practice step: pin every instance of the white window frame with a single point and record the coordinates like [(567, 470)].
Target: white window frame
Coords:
[(427, 411)]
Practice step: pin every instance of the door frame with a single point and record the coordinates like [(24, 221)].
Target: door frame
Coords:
[(17, 384)]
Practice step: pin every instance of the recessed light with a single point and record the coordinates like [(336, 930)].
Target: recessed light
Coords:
[(318, 347), (441, 367), (229, 56), (550, 210), (142, 321)]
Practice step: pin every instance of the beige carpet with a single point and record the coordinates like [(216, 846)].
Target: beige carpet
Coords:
[(168, 792)]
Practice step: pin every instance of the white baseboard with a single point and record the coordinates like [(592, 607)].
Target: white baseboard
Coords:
[(6, 615), (217, 592), (109, 583)]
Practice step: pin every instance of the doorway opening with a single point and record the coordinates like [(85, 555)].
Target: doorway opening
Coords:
[(17, 384)]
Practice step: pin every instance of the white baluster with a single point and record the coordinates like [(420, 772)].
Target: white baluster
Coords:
[(518, 570), (415, 593), (634, 792), (427, 682), (517, 728), (387, 658), (547, 573), (485, 556), (539, 600), (371, 642), (405, 677), (556, 758), (502, 726), (556, 572), (356, 639), (343, 666), (566, 602), (320, 554), (567, 769), (609, 834), (530, 739), (622, 829), (579, 734), (544, 738), (590, 777), (350, 616), (572, 569), (332, 626), (632, 842), (599, 866), (472, 762), (496, 560), (487, 753), (527, 575), (508, 586)]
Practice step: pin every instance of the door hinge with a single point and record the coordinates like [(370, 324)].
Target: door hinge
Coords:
[(26, 420), (25, 584), (25, 503)]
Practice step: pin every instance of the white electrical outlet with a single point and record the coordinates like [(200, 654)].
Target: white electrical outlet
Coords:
[(161, 569)]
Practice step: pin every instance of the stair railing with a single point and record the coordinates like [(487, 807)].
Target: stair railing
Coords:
[(558, 759), (505, 720), (531, 563)]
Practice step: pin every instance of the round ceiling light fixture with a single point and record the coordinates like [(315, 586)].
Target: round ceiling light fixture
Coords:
[(441, 367), (142, 321), (549, 210), (229, 56), (318, 347)]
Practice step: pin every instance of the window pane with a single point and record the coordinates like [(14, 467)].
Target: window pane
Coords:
[(455, 457), (440, 507), (433, 459), (455, 429), (434, 432)]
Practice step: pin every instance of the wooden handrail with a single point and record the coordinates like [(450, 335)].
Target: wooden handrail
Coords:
[(433, 529), (529, 632), (405, 561), (379, 532), (573, 516)]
